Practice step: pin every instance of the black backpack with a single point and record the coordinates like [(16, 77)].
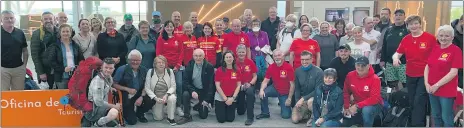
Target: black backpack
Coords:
[(285, 29), (398, 115)]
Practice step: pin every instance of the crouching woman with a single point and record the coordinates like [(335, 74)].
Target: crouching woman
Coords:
[(328, 102)]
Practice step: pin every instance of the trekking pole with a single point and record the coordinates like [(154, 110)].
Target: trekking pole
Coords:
[(121, 119)]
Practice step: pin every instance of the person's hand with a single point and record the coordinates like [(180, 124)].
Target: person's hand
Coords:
[(116, 59), (159, 100), (229, 101), (195, 95), (346, 112), (434, 88), (204, 103), (257, 49), (67, 69), (353, 109), (247, 85), (299, 103), (175, 69), (117, 106), (319, 121), (132, 91), (138, 102), (113, 89), (427, 87), (261, 94), (382, 64), (43, 77), (288, 102), (396, 62), (165, 97)]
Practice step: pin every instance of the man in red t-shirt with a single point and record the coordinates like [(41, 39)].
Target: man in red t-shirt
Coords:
[(416, 46), (175, 17), (246, 96), (236, 37), (283, 77)]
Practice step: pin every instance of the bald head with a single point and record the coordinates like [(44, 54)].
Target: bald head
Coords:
[(198, 56), (194, 18), (62, 18), (175, 17), (236, 26)]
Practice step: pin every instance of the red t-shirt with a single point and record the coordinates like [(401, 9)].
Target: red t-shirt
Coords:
[(416, 50), (247, 68), (440, 63), (172, 49), (281, 76), (299, 45), (228, 80), (210, 45), (189, 44), (178, 30), (232, 40), (221, 43)]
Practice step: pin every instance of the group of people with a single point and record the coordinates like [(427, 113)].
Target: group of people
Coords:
[(325, 76)]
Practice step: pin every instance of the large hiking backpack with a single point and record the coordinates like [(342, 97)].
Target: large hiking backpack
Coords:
[(398, 115), (79, 83)]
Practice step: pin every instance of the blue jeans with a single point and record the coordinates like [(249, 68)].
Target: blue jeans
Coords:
[(270, 91), (364, 116), (442, 111), (328, 123), (179, 87)]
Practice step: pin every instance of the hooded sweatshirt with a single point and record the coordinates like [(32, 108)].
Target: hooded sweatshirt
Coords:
[(365, 90)]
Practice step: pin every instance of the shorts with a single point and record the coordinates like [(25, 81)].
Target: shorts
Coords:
[(97, 113), (393, 73), (303, 111)]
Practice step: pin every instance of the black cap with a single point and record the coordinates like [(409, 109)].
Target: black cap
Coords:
[(362, 60), (399, 11), (345, 46), (225, 19)]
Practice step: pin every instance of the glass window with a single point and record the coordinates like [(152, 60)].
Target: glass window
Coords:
[(111, 9), (138, 11), (456, 10)]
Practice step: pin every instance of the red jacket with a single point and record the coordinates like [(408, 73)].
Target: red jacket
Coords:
[(189, 45), (172, 49), (365, 90), (210, 45)]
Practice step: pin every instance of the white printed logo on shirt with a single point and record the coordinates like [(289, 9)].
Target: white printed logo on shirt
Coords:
[(366, 88)]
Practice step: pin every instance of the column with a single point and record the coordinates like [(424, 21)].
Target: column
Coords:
[(76, 10), (289, 7), (150, 9), (429, 16), (124, 7), (8, 6), (87, 8)]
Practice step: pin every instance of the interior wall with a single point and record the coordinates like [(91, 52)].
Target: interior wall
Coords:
[(317, 8)]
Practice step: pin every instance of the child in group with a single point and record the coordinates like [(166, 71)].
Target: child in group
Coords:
[(328, 102)]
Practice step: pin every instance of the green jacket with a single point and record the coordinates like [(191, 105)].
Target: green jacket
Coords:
[(38, 48)]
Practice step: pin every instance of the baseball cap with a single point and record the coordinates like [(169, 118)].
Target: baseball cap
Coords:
[(399, 11), (156, 13), (344, 46), (362, 60), (127, 17), (225, 19)]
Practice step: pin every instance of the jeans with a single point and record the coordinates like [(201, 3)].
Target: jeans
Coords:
[(261, 65), (270, 91), (418, 99), (179, 87), (328, 123), (442, 111), (225, 113), (246, 99), (203, 110), (131, 115), (364, 116)]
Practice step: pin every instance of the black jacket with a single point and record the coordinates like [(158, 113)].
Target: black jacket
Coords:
[(391, 41), (457, 36), (271, 28), (56, 58), (38, 51), (334, 103), (207, 78), (112, 47)]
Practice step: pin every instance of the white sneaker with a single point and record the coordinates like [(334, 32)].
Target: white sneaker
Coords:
[(179, 111)]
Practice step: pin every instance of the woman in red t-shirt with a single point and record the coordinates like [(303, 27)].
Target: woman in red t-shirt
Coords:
[(189, 42), (302, 44), (440, 76), (228, 83), (209, 43), (169, 46)]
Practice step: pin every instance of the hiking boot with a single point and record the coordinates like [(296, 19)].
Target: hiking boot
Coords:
[(96, 124), (171, 121), (262, 116), (143, 119), (248, 122), (185, 119)]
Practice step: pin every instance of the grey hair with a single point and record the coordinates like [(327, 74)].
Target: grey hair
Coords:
[(277, 51), (247, 10), (313, 19), (134, 52), (351, 24), (7, 12), (445, 28), (291, 17), (240, 47)]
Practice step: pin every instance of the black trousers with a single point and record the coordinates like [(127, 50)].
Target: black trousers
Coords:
[(418, 99), (246, 102), (224, 112), (129, 114), (202, 110)]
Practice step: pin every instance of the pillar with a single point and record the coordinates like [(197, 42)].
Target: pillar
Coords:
[(289, 7), (87, 8), (430, 8), (124, 7), (150, 9)]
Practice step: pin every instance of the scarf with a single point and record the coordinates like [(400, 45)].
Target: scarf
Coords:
[(112, 33), (42, 33), (326, 87), (306, 68)]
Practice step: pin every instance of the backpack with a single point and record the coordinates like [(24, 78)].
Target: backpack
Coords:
[(292, 34), (398, 115), (152, 72), (79, 84)]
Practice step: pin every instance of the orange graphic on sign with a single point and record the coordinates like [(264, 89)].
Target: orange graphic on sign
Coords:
[(38, 108)]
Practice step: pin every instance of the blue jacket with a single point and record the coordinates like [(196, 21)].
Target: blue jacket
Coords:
[(334, 103)]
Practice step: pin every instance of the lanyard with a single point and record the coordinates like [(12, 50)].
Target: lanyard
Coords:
[(324, 102)]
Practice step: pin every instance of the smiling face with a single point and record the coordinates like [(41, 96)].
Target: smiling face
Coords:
[(48, 20), (207, 30), (96, 24), (84, 26), (169, 28), (160, 64), (445, 37), (329, 80), (175, 17), (107, 69), (110, 24), (306, 31), (306, 60), (144, 29), (65, 32), (229, 58), (414, 26)]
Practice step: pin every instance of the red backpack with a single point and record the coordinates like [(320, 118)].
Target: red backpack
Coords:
[(79, 84)]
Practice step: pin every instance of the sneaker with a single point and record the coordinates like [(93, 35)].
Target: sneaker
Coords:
[(184, 119), (248, 122), (262, 116), (96, 124), (171, 121), (179, 111), (143, 119)]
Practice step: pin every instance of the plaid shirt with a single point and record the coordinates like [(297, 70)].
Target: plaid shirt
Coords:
[(98, 91)]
